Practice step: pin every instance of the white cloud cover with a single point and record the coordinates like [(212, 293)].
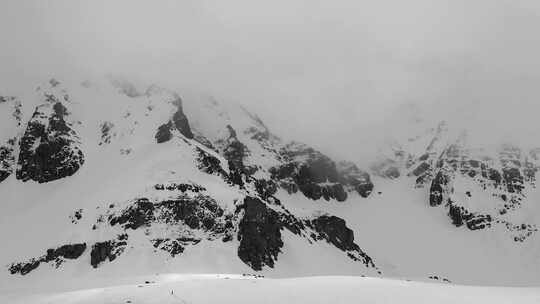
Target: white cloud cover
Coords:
[(328, 72)]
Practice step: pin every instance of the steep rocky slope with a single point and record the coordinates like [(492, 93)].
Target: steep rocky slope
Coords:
[(153, 183), (108, 178), (479, 187)]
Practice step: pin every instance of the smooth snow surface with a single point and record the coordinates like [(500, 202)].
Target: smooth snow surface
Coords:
[(164, 289)]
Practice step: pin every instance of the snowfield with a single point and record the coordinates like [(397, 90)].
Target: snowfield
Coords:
[(238, 289)]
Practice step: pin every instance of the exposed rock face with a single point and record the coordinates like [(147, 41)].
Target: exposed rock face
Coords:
[(77, 216), (260, 132), (140, 213), (7, 161), (235, 153), (334, 230), (421, 170), (253, 154), (71, 251), (438, 189), (460, 216), (203, 140), (164, 133), (24, 268), (189, 216), (317, 176), (102, 251), (50, 148), (314, 173), (359, 180), (178, 122), (58, 256), (174, 247), (259, 234), (209, 163), (212, 165), (174, 224), (509, 180), (10, 115), (265, 188), (183, 187), (511, 160), (107, 132), (199, 212), (503, 175)]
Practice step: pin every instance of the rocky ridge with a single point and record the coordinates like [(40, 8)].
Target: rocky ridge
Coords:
[(478, 188), (174, 216)]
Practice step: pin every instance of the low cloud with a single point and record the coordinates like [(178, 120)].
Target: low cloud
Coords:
[(332, 73)]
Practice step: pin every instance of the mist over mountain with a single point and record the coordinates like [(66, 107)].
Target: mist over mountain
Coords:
[(176, 142), (346, 64)]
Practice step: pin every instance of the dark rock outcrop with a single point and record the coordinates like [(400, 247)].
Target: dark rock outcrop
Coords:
[(235, 152), (189, 214), (335, 231), (140, 213), (359, 180), (107, 133), (70, 251), (201, 212), (111, 249), (235, 175), (7, 161), (204, 141), (265, 188), (49, 148), (212, 165), (24, 268), (174, 246), (316, 175), (183, 187), (164, 133), (259, 234), (178, 121), (58, 256), (473, 221), (8, 145), (438, 188), (209, 163), (421, 169)]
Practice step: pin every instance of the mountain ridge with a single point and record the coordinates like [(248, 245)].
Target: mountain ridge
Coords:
[(149, 175)]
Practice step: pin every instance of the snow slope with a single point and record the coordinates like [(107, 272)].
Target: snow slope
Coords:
[(246, 289)]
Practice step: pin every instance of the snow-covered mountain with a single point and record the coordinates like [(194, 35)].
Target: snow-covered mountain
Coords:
[(105, 179), (480, 187)]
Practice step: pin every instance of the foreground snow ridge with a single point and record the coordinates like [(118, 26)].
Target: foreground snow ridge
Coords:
[(223, 288)]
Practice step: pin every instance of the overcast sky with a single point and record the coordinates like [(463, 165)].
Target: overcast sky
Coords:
[(323, 71)]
